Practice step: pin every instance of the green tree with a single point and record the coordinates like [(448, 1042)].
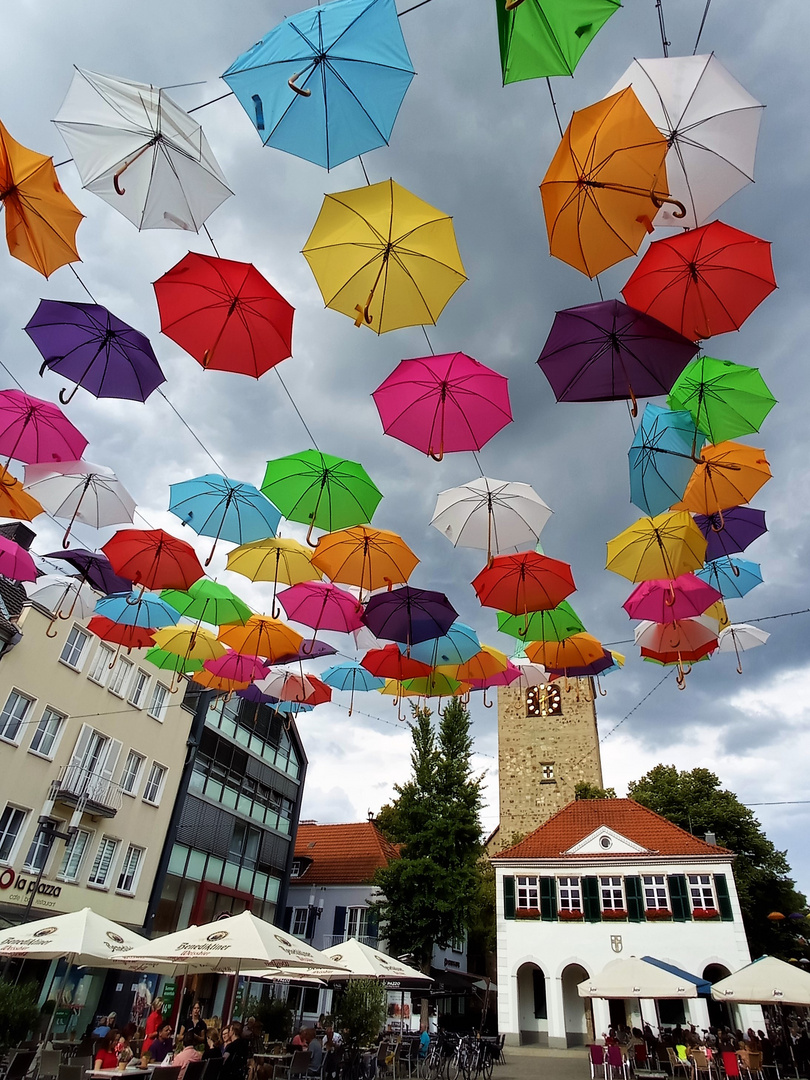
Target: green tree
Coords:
[(432, 892), (584, 790), (360, 1011), (18, 1012), (695, 800)]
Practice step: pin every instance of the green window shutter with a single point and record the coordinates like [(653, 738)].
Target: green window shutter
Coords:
[(590, 899), (723, 897), (679, 898), (509, 898), (548, 899), (635, 899)]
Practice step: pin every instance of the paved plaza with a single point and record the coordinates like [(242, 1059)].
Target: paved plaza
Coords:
[(532, 1062)]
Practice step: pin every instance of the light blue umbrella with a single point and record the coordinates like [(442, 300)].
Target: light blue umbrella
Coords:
[(292, 708), (137, 609), (457, 646), (661, 460), (732, 577), (351, 676), (214, 505), (327, 83)]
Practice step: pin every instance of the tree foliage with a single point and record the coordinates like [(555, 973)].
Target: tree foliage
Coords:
[(360, 1012), (695, 800), (585, 790), (432, 892), (18, 1012)]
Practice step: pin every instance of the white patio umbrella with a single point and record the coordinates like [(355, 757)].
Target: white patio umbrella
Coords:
[(80, 491), (636, 978), (711, 124), (365, 962), (493, 515), (738, 637), (766, 981), (140, 152), (63, 596)]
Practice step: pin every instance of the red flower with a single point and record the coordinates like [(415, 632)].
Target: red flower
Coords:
[(527, 913), (614, 913), (658, 913), (705, 913), (570, 915)]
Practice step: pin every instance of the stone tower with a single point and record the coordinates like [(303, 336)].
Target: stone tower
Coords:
[(547, 744)]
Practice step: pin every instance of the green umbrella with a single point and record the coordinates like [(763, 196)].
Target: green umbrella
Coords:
[(539, 38), (554, 625), (209, 602), (169, 661), (320, 490), (725, 399)]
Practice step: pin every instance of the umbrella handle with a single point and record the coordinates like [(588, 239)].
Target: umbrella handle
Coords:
[(487, 704), (309, 535), (722, 525), (510, 5), (302, 91), (681, 679), (436, 457), (71, 395), (275, 610), (659, 200), (49, 626), (389, 583), (117, 176), (633, 402), (602, 693), (363, 315), (737, 651)]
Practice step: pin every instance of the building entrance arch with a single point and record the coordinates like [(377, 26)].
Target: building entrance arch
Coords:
[(720, 1014), (577, 1011), (532, 1005)]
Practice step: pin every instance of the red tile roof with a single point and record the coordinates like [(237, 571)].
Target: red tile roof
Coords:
[(341, 854), (624, 816)]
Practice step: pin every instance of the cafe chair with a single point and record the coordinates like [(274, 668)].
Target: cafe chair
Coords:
[(194, 1070), (596, 1060), (68, 1072), (49, 1063), (617, 1063), (751, 1063), (701, 1064), (213, 1067)]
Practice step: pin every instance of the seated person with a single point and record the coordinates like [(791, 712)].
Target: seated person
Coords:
[(194, 1022), (102, 1028), (315, 1047), (160, 1047), (188, 1053), (236, 1054), (106, 1057), (214, 1048), (298, 1042)]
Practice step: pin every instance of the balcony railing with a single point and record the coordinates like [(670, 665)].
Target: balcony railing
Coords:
[(337, 939), (102, 796)]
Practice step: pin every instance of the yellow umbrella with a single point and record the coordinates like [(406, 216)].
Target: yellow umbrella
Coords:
[(15, 502), (365, 557), (384, 257), (719, 614), (274, 559), (41, 221), (579, 650), (664, 546), (262, 636), (190, 642)]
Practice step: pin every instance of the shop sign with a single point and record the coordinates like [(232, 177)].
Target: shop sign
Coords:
[(16, 888), (168, 994)]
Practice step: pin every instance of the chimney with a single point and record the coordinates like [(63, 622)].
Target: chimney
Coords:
[(710, 838)]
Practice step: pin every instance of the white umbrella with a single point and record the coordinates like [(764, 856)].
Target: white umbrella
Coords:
[(79, 491), (140, 152), (766, 981), (711, 123), (363, 961), (82, 936), (739, 637), (491, 514), (63, 596), (636, 978), (530, 674)]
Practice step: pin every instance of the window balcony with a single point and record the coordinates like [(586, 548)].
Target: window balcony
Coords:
[(101, 796), (330, 940)]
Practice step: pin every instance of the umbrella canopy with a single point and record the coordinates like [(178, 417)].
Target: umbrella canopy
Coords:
[(437, 684), (384, 257), (724, 399), (93, 348), (41, 221), (608, 352), (94, 568), (214, 505), (140, 152), (767, 981), (219, 682), (732, 577), (487, 663), (15, 562), (153, 558), (731, 531), (322, 606), (539, 38), (664, 546), (739, 637), (661, 458), (711, 125), (273, 559), (14, 501), (262, 636), (82, 936), (728, 474), (555, 624), (529, 674), (368, 558), (169, 661), (326, 84), (225, 314), (119, 633), (576, 651), (666, 601), (309, 649), (491, 515), (458, 645), (637, 978), (238, 667), (605, 184), (189, 643), (362, 960), (321, 491), (704, 281), (79, 491), (391, 663), (351, 675), (64, 596), (302, 689), (409, 615), (209, 602), (32, 430), (524, 582), (600, 666), (683, 639), (137, 609), (443, 404)]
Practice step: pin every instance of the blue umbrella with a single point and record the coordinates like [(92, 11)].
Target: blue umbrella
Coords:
[(292, 708), (327, 83), (351, 676), (732, 577), (661, 460), (214, 505), (137, 609), (457, 646)]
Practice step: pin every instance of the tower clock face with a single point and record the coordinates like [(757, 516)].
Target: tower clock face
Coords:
[(544, 701)]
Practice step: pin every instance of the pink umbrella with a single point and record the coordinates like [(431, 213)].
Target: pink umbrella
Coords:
[(238, 666), (32, 430), (500, 678), (440, 404), (665, 601), (322, 606), (15, 562)]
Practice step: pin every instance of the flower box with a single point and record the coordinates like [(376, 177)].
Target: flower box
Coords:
[(615, 915), (567, 915), (527, 913), (658, 914), (705, 913)]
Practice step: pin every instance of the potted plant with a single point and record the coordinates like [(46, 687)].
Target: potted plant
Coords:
[(527, 913), (18, 1012), (705, 913), (614, 914), (570, 915), (658, 914)]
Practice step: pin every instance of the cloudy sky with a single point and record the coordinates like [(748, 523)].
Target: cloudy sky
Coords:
[(477, 151)]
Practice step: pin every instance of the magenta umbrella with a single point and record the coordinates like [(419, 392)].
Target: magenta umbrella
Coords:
[(15, 562), (238, 666), (667, 601), (443, 404), (322, 606), (34, 431)]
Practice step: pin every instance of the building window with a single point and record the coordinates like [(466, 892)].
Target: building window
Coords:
[(701, 891), (295, 869), (120, 676), (160, 702), (130, 870), (38, 851), (139, 685), (543, 701), (457, 944), (300, 918), (655, 892), (528, 895), (154, 784), (100, 873), (100, 668), (357, 922), (74, 853), (12, 821), (547, 772), (132, 772), (44, 738), (244, 847), (612, 893), (74, 647), (570, 894), (13, 716)]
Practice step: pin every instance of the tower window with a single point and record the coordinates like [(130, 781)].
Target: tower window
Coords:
[(547, 772), (543, 701)]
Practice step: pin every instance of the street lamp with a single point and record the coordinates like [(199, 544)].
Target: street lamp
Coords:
[(314, 913), (49, 829)]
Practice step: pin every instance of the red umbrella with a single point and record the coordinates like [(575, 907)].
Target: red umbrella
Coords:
[(702, 282), (131, 637), (32, 430), (391, 663), (225, 314), (524, 582), (153, 558)]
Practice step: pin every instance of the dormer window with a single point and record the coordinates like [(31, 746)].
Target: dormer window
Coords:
[(297, 868)]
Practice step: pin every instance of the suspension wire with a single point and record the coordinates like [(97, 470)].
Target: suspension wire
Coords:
[(75, 274), (192, 432), (599, 286), (478, 462), (205, 104), (298, 411), (210, 237), (702, 24), (363, 167), (664, 42), (179, 85), (762, 618), (415, 6), (13, 377), (554, 105)]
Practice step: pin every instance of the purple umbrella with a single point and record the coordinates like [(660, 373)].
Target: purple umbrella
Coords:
[(731, 531), (90, 346), (95, 569), (610, 352), (253, 693), (596, 667), (409, 615)]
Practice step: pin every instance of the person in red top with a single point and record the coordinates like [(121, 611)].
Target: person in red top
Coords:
[(106, 1057), (153, 1022)]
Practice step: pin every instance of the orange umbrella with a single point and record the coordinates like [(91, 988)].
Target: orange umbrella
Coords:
[(14, 501), (262, 636), (729, 473), (575, 651), (605, 184), (216, 682), (486, 662), (41, 221), (365, 557)]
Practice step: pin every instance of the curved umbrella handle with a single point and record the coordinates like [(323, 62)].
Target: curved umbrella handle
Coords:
[(116, 178), (309, 535), (436, 457), (512, 4), (49, 626), (69, 398), (602, 693), (658, 201), (487, 704), (303, 92), (681, 680)]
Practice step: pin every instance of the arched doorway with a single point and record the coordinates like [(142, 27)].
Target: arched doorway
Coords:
[(532, 1005), (576, 1010), (719, 1011)]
